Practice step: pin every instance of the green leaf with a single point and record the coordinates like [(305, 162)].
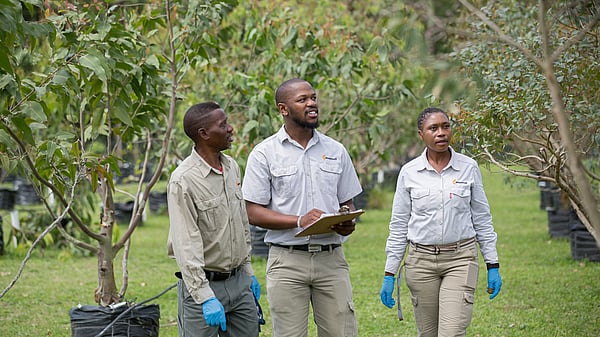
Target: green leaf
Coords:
[(123, 116), (35, 111), (61, 77), (24, 132), (252, 124), (5, 80), (153, 61), (93, 63), (5, 59)]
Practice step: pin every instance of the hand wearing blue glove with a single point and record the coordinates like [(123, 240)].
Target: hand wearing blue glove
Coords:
[(255, 287), (387, 289), (494, 282), (214, 313)]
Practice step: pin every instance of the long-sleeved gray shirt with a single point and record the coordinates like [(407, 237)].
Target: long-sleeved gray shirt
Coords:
[(438, 208), (209, 226)]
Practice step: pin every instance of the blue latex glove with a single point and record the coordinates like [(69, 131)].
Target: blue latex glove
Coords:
[(214, 313), (494, 281), (387, 289), (255, 287)]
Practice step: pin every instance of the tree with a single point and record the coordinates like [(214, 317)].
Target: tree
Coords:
[(79, 83), (538, 74)]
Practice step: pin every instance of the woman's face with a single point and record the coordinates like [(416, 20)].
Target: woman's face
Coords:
[(436, 132)]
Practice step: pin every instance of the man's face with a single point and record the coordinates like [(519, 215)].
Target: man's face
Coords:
[(219, 132), (302, 105), (436, 132)]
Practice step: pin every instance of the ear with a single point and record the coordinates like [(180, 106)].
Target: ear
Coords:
[(283, 109), (420, 132), (202, 134)]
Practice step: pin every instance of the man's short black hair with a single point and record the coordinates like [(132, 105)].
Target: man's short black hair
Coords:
[(282, 91), (195, 118)]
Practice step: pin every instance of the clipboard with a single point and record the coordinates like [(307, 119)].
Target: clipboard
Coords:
[(323, 225)]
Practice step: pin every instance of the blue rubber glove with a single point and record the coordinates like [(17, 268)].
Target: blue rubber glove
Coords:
[(255, 287), (494, 282), (214, 313), (387, 289)]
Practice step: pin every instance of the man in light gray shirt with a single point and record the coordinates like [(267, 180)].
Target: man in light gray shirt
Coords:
[(209, 233), (292, 178)]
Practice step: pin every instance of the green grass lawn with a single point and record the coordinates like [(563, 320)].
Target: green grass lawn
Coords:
[(545, 292)]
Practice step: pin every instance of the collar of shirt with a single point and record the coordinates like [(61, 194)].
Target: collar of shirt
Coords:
[(205, 168), (452, 163), (283, 136)]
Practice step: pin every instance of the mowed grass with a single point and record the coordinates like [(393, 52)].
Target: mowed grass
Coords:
[(545, 292)]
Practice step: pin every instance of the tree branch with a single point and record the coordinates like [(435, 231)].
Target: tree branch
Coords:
[(38, 240), (503, 37), (573, 40)]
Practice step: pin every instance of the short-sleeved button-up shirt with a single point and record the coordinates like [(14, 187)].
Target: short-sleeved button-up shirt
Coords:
[(209, 226), (283, 176), (439, 208)]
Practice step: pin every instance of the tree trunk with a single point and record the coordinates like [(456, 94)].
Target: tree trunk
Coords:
[(591, 216), (106, 293)]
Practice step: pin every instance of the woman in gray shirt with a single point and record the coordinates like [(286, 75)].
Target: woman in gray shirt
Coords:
[(440, 213)]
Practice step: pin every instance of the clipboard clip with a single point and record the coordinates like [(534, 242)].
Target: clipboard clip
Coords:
[(344, 210)]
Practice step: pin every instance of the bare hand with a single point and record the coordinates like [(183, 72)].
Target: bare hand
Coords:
[(344, 228), (310, 217)]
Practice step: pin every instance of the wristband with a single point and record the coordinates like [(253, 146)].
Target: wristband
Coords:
[(492, 265), (298, 221)]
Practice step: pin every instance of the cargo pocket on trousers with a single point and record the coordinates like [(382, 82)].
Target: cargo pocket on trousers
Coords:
[(469, 299), (350, 328), (415, 301)]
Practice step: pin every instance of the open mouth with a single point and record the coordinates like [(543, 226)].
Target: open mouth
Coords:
[(312, 114)]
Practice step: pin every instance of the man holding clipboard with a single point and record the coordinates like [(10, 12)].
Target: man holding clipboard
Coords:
[(292, 178)]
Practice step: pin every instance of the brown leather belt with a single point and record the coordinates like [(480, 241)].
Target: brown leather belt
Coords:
[(311, 248), (437, 249)]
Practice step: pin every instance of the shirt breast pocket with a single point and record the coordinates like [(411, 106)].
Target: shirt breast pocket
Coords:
[(460, 198), (209, 215), (283, 179), (330, 174), (420, 199)]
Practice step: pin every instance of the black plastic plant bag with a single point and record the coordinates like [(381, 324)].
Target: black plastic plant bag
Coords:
[(90, 320)]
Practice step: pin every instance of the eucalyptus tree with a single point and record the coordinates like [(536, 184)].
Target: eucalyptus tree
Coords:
[(535, 71)]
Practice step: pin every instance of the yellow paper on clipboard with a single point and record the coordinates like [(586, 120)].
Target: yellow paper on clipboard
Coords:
[(323, 225)]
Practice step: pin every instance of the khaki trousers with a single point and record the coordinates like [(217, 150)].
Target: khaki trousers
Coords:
[(295, 279), (442, 287)]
